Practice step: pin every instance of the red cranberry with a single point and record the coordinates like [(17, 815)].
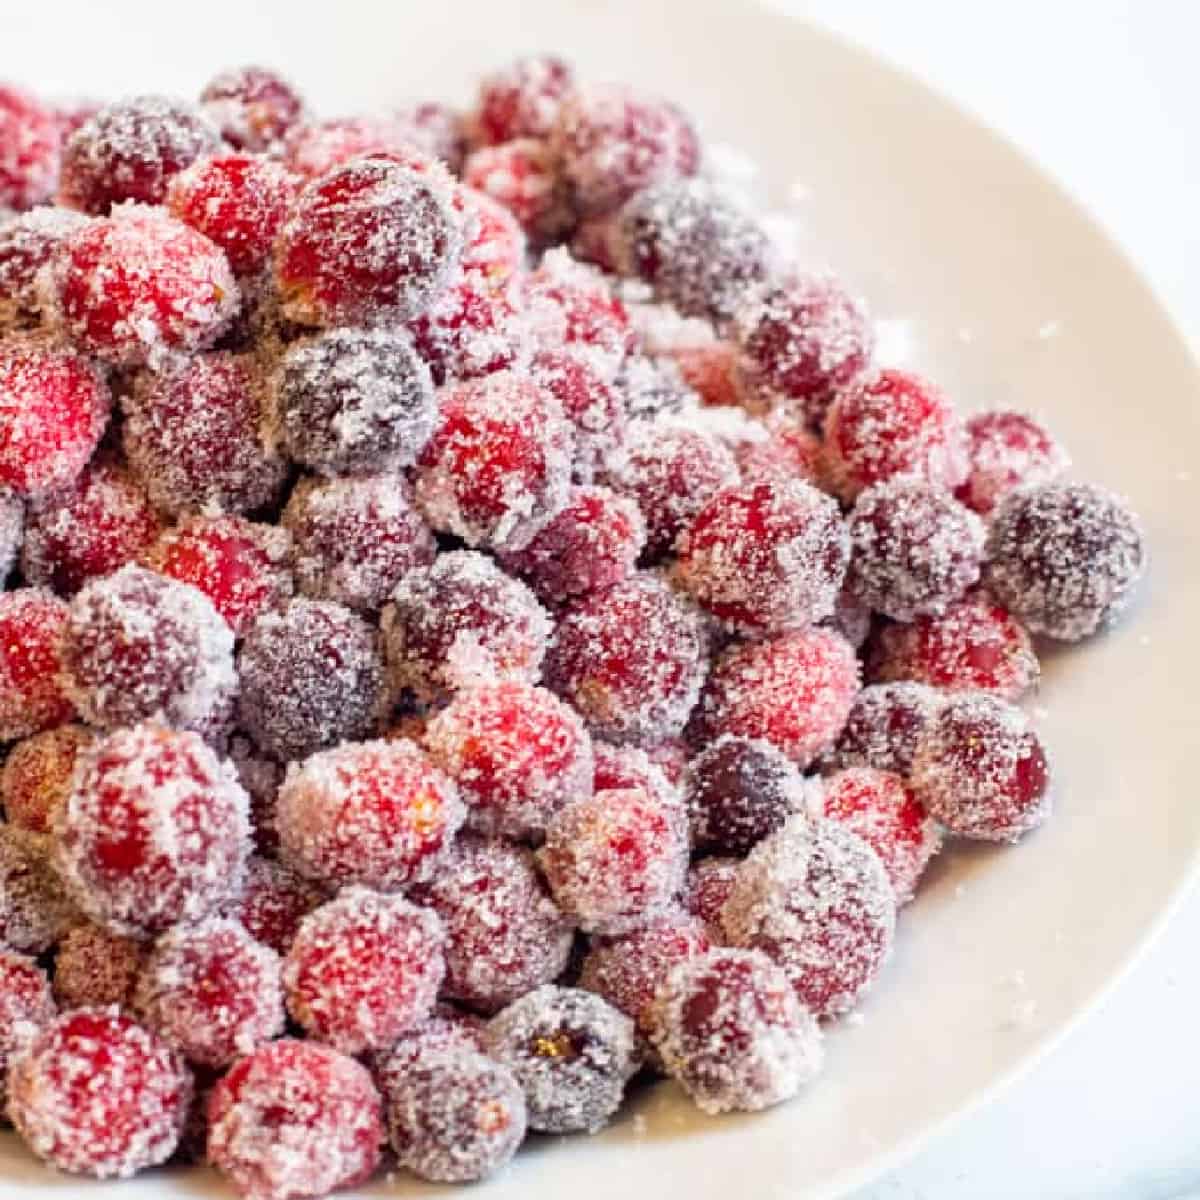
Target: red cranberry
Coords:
[(26, 1006), (885, 727), (156, 831), (29, 150), (709, 882), (38, 775), (981, 770), (273, 902), (731, 1031), (295, 1119), (593, 406), (523, 176), (517, 753), (1064, 558), (96, 1094), (460, 621), (496, 244), (314, 150), (362, 969), (788, 450), (94, 968), (893, 424), (53, 409), (32, 695), (711, 372), (571, 1052), (630, 659), (794, 691), (27, 244), (620, 768), (1007, 450), (523, 100), (253, 107), (765, 557)]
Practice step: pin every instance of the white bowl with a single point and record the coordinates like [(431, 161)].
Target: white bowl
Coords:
[(994, 282)]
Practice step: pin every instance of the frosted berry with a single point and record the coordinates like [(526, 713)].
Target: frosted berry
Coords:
[(138, 645), (26, 1006), (504, 935), (27, 244), (370, 242), (54, 406), (794, 691), (29, 150), (619, 768), (435, 128), (729, 1028), (523, 99), (363, 969), (96, 1094), (893, 424), (615, 860), (593, 406), (156, 831), (34, 913), (498, 465), (295, 1119), (816, 899), (448, 1031), (517, 753), (711, 371), (572, 1054), (788, 449), (799, 344), (886, 724), (310, 675), (981, 769), (32, 696), (496, 244), (312, 150), (1007, 450), (134, 287), (378, 814), (37, 775), (765, 557), (709, 882), (355, 538), (459, 621), (354, 400), (881, 808), (253, 107), (1064, 558), (273, 902), (631, 659), (523, 176), (94, 968), (915, 549)]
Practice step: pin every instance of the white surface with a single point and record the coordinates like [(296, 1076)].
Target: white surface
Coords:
[(941, 224)]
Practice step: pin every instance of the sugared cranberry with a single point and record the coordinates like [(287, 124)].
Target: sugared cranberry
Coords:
[(377, 813), (295, 1119), (615, 860), (354, 400), (593, 406), (981, 770), (355, 538), (362, 969), (572, 1053), (448, 1031), (739, 791), (709, 882), (91, 528), (619, 768), (816, 899), (156, 831), (710, 370), (237, 201), (1064, 558), (517, 753), (27, 244), (26, 1006), (800, 343), (789, 449), (273, 902), (435, 128), (765, 557), (794, 691), (496, 244), (34, 913), (880, 807), (94, 968), (138, 645), (915, 549), (523, 176), (29, 150), (614, 142), (461, 621), (498, 465), (315, 149), (672, 472), (889, 425), (38, 775), (885, 727), (630, 659), (32, 695), (140, 284), (253, 107), (523, 100), (1007, 450), (97, 1094), (504, 935), (54, 406), (369, 242)]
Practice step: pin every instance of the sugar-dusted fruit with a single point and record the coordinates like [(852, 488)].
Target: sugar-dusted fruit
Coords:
[(26, 1005), (1007, 450), (29, 149), (252, 107), (32, 695), (38, 774), (886, 724)]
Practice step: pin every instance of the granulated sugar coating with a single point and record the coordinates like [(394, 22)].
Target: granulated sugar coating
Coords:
[(504, 934), (1064, 558), (29, 150), (914, 549), (460, 620), (95, 968), (523, 176), (273, 902), (709, 882), (97, 1094), (27, 244), (252, 107), (293, 1120), (729, 1028), (34, 912), (517, 753), (886, 724), (496, 244), (378, 814), (522, 99), (354, 400), (618, 768), (572, 1054), (313, 150), (1008, 450), (32, 695), (789, 449), (981, 770), (156, 831), (38, 773), (816, 899), (435, 128), (594, 407), (26, 1006)]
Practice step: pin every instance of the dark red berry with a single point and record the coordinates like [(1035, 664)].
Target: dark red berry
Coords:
[(1007, 450), (32, 694), (523, 99), (885, 727), (253, 107)]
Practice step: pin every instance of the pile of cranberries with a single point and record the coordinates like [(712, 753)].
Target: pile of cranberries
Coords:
[(417, 717)]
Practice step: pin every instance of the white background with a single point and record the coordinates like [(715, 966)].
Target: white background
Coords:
[(1106, 97)]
